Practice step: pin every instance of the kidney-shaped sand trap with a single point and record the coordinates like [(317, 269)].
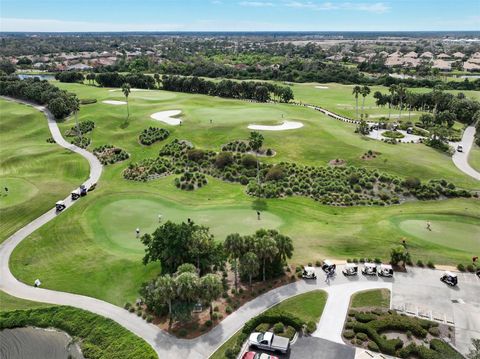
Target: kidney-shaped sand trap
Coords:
[(286, 125), (167, 117), (114, 102), (132, 90)]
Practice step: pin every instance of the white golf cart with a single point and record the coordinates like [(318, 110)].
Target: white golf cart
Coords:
[(385, 270), (459, 148), (60, 206), (309, 273), (75, 194), (449, 278), (350, 269), (83, 190), (328, 266), (369, 269)]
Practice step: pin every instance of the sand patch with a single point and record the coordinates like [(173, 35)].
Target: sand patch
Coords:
[(168, 117), (286, 125), (321, 87), (131, 90), (114, 102)]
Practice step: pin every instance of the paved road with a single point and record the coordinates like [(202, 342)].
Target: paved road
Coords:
[(460, 159), (167, 346)]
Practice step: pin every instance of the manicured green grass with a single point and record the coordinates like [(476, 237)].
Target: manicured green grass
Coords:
[(456, 232), (308, 306), (8, 302), (36, 173), (99, 337), (474, 157), (371, 298), (92, 249)]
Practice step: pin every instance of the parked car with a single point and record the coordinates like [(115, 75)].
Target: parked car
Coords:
[(60, 206), (460, 148), (269, 341), (350, 269), (255, 355), (75, 194), (369, 269), (385, 270), (328, 266), (309, 273), (449, 278)]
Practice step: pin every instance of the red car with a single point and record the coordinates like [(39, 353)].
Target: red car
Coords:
[(254, 355)]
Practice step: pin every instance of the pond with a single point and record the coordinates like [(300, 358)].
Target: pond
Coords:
[(40, 76), (36, 343)]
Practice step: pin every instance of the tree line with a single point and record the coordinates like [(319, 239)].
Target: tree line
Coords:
[(446, 108), (247, 90), (190, 259), (59, 102)]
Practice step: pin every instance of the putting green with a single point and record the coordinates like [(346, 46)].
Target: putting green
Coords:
[(455, 232), (116, 221), (19, 191)]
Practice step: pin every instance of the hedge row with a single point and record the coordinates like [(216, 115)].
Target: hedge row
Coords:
[(100, 337)]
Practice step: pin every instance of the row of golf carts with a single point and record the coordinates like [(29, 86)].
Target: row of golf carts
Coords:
[(76, 194), (350, 269)]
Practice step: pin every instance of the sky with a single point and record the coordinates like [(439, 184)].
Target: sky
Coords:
[(241, 15)]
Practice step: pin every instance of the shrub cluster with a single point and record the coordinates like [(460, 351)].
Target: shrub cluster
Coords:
[(237, 146), (371, 325), (393, 134), (330, 185), (83, 127), (147, 169), (108, 154), (190, 181), (153, 134), (81, 141)]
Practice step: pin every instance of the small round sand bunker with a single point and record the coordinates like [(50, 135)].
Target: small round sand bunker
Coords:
[(168, 117), (286, 125), (114, 102)]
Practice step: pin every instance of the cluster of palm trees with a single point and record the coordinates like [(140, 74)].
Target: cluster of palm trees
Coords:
[(180, 291), (248, 254), (364, 91)]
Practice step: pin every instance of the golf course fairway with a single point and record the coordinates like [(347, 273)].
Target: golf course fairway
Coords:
[(456, 232)]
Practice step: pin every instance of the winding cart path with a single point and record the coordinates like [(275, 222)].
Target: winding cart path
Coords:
[(167, 346), (460, 159)]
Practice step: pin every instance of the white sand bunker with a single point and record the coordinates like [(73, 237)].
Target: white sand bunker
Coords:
[(168, 117), (321, 87), (286, 125), (114, 102), (131, 90)]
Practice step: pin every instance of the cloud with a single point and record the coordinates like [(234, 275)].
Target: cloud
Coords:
[(377, 7), (256, 3), (54, 25)]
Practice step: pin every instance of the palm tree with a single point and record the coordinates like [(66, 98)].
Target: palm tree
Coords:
[(187, 286), (401, 94), (356, 91), (392, 89), (211, 288), (200, 244), (284, 245), (266, 249), (165, 292), (126, 92), (249, 265), (365, 91), (410, 97), (234, 246)]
